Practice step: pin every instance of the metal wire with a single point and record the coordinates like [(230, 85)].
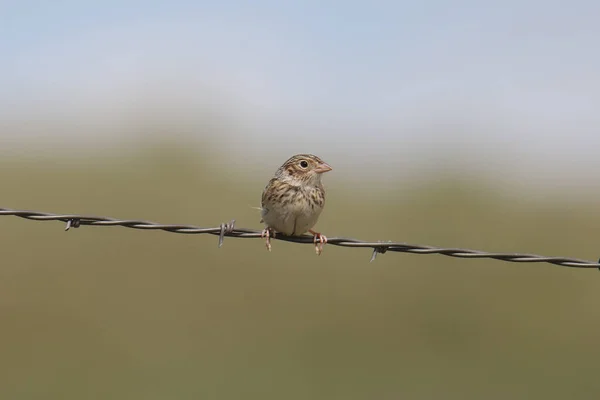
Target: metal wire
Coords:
[(228, 230)]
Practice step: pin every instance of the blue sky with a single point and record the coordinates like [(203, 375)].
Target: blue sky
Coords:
[(332, 53), (522, 77)]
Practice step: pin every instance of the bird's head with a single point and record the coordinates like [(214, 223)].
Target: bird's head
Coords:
[(303, 169)]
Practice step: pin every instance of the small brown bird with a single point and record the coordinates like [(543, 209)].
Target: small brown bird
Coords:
[(293, 200)]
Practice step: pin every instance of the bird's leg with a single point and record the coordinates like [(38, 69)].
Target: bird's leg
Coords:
[(319, 241), (266, 233)]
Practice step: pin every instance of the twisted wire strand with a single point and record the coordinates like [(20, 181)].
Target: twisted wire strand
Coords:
[(229, 230)]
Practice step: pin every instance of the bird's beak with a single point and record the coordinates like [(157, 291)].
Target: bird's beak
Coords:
[(324, 167)]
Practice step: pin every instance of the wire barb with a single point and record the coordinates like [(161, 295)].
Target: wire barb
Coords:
[(73, 223), (377, 250), (224, 230)]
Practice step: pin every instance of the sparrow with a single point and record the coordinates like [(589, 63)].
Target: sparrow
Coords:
[(293, 199)]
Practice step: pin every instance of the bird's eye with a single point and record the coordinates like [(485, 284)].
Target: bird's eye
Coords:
[(303, 164)]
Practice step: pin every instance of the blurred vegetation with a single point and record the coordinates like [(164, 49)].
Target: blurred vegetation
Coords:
[(117, 313)]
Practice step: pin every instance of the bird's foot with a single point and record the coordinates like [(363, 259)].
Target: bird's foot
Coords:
[(319, 241), (266, 234)]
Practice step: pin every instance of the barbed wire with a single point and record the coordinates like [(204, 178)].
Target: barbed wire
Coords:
[(229, 230)]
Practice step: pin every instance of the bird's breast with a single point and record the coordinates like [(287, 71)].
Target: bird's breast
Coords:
[(294, 213)]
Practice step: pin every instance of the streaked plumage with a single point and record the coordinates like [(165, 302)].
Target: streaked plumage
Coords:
[(293, 199)]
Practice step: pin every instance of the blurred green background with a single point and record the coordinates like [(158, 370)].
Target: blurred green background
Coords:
[(102, 312), (458, 124)]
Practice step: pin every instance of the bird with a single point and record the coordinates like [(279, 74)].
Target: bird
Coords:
[(293, 199)]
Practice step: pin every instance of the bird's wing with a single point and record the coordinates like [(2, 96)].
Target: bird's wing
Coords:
[(265, 195)]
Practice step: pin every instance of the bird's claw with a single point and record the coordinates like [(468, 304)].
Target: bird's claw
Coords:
[(319, 240), (266, 234)]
